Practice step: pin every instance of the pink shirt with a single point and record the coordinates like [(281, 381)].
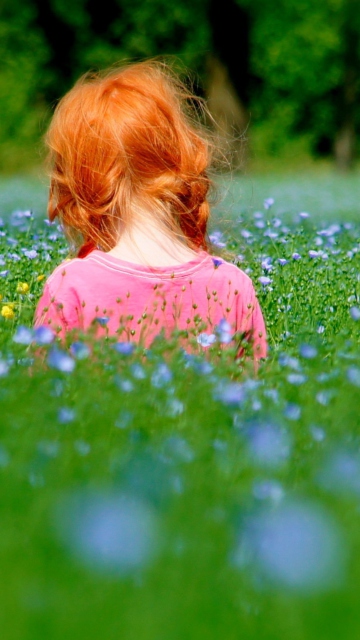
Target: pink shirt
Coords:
[(136, 302)]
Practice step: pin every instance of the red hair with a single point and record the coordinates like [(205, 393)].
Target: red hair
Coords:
[(123, 140)]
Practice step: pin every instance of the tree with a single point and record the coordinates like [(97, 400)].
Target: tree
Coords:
[(23, 54)]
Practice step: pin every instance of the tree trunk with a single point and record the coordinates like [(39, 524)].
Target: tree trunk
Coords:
[(345, 138), (230, 118), (344, 147)]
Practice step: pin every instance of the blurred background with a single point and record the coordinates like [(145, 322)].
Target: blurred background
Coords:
[(281, 78)]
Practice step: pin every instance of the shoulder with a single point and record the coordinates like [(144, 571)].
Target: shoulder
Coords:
[(67, 274), (231, 271)]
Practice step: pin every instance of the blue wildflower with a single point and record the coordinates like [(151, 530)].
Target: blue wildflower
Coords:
[(4, 368), (230, 393), (292, 411), (66, 415), (295, 544), (355, 313), (205, 339), (224, 331), (161, 376), (60, 360), (217, 239), (296, 378), (353, 375), (124, 385), (269, 444), (266, 264), (43, 335), (31, 254), (217, 262), (124, 348), (111, 533), (79, 350), (138, 371), (308, 351), (102, 320), (268, 203), (23, 335), (268, 490), (265, 280)]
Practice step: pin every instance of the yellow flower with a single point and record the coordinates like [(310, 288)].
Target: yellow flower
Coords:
[(22, 287), (40, 277), (7, 312)]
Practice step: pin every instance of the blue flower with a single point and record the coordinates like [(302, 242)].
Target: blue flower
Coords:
[(232, 394), (43, 335), (66, 415), (265, 280), (270, 490), (110, 533), (269, 444), (266, 264), (268, 203), (23, 335), (125, 348), (103, 320), (205, 339), (295, 544), (353, 375), (61, 360), (217, 262), (308, 351), (292, 411), (217, 239), (161, 376), (224, 331), (124, 385), (296, 256), (79, 350), (4, 368), (296, 379), (355, 313), (31, 254)]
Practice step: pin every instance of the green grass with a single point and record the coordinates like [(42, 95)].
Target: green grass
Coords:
[(159, 496)]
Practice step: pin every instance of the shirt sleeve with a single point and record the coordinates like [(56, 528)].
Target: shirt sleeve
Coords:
[(60, 311)]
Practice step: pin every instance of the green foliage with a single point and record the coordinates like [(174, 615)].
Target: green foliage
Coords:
[(299, 62), (83, 454), (303, 62), (23, 53)]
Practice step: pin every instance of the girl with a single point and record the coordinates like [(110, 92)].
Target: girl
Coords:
[(129, 184)]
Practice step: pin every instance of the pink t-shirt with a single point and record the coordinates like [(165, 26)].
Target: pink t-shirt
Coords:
[(136, 302)]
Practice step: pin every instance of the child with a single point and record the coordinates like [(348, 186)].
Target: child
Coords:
[(129, 185)]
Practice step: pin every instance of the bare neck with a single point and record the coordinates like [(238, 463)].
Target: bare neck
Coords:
[(150, 245)]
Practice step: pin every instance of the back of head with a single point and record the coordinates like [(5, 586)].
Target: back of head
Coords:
[(125, 142)]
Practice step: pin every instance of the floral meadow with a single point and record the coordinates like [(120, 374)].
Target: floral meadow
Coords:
[(162, 494)]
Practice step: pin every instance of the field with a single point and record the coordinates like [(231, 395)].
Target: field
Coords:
[(165, 496)]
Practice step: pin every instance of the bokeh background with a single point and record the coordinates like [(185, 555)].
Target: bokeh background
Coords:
[(281, 79)]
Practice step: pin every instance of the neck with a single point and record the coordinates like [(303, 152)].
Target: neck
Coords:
[(151, 245)]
